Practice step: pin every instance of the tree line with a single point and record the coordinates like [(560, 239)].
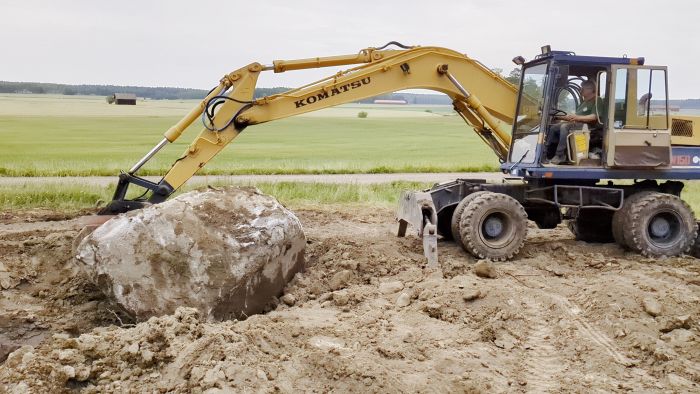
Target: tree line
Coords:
[(167, 93), (156, 93)]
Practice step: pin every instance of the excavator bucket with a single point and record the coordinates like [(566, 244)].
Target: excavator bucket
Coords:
[(89, 224)]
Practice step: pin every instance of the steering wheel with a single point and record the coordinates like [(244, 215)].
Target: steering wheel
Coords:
[(557, 112)]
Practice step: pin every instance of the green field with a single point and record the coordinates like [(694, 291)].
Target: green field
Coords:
[(46, 135)]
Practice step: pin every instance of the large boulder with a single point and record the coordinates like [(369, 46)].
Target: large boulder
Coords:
[(225, 252)]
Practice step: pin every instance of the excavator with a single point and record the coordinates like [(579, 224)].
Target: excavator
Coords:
[(623, 185)]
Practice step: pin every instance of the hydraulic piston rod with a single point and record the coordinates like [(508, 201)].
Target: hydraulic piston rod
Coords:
[(476, 104), (148, 156)]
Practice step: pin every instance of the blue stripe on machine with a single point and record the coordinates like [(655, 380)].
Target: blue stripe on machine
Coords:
[(685, 156)]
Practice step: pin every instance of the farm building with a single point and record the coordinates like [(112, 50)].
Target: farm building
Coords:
[(387, 101), (123, 99)]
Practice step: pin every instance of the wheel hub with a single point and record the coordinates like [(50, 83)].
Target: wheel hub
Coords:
[(664, 228), (660, 227), (493, 227)]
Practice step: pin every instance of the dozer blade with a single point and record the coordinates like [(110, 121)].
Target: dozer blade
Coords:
[(417, 210)]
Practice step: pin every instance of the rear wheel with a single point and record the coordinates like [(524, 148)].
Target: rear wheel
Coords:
[(493, 226), (695, 250), (617, 229), (660, 225), (457, 215), (593, 225)]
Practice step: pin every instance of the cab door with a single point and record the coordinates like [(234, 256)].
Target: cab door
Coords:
[(639, 135)]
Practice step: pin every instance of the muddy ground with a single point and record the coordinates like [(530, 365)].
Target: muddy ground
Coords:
[(366, 316)]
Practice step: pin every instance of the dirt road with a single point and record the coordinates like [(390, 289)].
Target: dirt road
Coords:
[(244, 179), (366, 316)]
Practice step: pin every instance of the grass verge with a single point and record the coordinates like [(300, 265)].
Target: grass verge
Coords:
[(71, 198)]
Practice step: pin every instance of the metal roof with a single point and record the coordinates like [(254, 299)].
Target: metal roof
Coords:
[(124, 96), (572, 58)]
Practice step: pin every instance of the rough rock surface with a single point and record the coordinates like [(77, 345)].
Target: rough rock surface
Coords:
[(651, 306), (225, 252), (485, 269)]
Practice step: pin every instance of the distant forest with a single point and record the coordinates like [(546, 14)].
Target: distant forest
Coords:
[(163, 93), (157, 93)]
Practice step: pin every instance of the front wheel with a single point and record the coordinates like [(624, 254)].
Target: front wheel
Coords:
[(493, 226), (457, 215)]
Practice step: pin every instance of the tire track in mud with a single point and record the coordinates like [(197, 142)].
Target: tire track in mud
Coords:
[(659, 281), (545, 364), (542, 361), (589, 332), (601, 340), (692, 366)]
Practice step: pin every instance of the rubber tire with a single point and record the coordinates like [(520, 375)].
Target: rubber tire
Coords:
[(695, 250), (457, 214), (618, 228), (636, 222), (471, 226), (593, 225)]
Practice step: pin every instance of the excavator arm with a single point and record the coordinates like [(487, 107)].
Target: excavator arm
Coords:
[(482, 97)]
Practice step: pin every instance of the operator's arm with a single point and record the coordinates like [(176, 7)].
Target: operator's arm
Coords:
[(588, 112), (580, 118)]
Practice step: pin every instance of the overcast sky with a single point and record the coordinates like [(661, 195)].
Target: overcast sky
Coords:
[(192, 43)]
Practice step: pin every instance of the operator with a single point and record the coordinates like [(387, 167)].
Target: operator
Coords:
[(588, 112)]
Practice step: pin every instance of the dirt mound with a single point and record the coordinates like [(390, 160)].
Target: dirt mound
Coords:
[(368, 316), (41, 290)]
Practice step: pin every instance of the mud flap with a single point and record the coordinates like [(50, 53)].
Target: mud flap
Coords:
[(418, 210)]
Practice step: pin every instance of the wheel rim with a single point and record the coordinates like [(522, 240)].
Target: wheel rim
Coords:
[(664, 228), (496, 229)]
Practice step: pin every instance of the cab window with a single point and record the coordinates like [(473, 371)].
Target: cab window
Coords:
[(640, 99), (567, 101)]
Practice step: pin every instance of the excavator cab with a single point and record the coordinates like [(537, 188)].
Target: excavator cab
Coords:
[(631, 129)]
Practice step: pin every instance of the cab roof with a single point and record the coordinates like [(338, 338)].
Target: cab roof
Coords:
[(569, 57)]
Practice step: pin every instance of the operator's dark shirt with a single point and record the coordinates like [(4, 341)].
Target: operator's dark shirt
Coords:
[(593, 106)]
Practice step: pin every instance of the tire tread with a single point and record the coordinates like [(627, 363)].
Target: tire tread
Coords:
[(636, 218), (470, 217)]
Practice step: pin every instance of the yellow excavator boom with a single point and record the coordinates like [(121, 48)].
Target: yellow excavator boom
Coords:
[(481, 96)]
